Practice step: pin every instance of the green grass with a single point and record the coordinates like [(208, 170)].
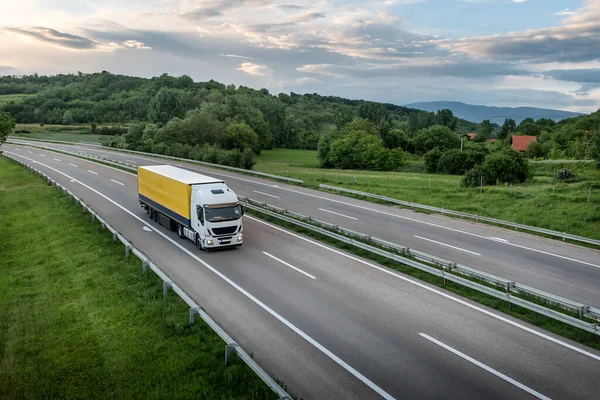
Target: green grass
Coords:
[(16, 98), (67, 133), (287, 157), (558, 206), (521, 313), (81, 321)]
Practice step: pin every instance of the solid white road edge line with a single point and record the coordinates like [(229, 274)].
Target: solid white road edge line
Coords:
[(122, 184), (341, 215), (297, 330), (289, 265), (447, 245), (265, 194), (431, 289), (485, 367)]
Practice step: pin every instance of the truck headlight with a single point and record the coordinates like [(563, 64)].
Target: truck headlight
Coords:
[(239, 238), (209, 242)]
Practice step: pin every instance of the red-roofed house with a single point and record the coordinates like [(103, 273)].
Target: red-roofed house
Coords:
[(471, 135), (520, 143), (492, 140)]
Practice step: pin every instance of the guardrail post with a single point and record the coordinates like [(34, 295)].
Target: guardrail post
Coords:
[(144, 265), (127, 249), (114, 236), (230, 348), (166, 286), (193, 312)]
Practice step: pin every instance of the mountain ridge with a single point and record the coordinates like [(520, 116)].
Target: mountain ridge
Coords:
[(496, 115)]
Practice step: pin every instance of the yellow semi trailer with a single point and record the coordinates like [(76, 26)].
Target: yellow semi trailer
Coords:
[(199, 207)]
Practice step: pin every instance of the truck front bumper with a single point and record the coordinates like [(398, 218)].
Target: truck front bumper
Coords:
[(223, 241)]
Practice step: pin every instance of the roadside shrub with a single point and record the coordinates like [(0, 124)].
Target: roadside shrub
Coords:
[(113, 141), (564, 174), (431, 159), (503, 167), (477, 176), (458, 162)]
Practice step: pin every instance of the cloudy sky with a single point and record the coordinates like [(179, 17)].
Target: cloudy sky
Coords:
[(542, 53)]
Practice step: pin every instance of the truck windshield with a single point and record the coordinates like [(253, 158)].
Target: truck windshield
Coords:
[(223, 214)]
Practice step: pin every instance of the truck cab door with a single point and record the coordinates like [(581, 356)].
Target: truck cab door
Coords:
[(197, 214)]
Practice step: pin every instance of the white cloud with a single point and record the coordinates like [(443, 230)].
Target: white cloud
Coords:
[(565, 12), (134, 44), (254, 69), (519, 1), (235, 56)]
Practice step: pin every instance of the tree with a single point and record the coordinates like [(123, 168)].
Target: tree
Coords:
[(377, 114), (595, 148), (485, 131), (509, 126), (67, 117), (361, 150), (165, 106), (395, 138), (456, 162), (507, 166), (431, 159), (240, 136), (7, 124), (446, 118), (536, 150), (435, 136)]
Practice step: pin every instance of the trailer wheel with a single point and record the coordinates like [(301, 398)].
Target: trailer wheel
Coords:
[(180, 231)]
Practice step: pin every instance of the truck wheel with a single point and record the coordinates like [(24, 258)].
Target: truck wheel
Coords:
[(180, 231)]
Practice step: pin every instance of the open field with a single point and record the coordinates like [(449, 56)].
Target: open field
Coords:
[(81, 321), (542, 203), (17, 98), (288, 157), (67, 133)]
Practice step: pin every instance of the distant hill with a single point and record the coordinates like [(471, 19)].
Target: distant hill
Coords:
[(496, 115)]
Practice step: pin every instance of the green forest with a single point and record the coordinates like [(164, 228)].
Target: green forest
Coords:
[(225, 124)]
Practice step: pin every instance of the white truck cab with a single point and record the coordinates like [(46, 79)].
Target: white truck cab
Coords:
[(216, 215)]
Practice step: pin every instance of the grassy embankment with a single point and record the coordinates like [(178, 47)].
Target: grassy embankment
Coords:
[(67, 133), (14, 98), (81, 321), (542, 202)]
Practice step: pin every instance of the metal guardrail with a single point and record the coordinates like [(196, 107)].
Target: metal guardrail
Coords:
[(231, 346), (245, 171), (477, 218), (447, 270)]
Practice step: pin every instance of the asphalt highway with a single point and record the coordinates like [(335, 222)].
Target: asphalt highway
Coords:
[(550, 265), (334, 326)]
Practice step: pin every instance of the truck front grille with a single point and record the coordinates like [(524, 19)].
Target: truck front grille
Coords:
[(225, 230)]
